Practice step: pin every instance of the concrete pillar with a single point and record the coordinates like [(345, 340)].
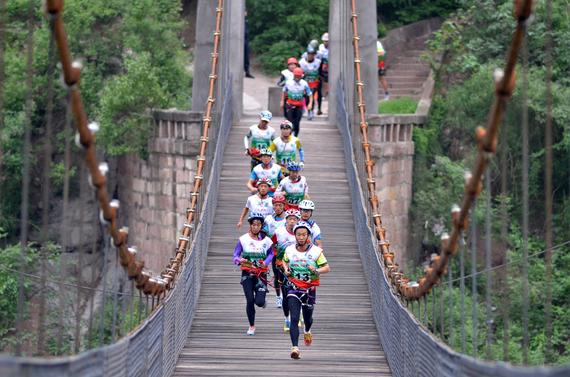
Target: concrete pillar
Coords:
[(205, 25), (341, 55), (368, 31), (235, 19)]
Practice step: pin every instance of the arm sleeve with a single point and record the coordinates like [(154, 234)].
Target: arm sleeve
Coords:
[(302, 154), (269, 257), (321, 260), (246, 140), (253, 176), (237, 252), (272, 146), (281, 81), (308, 90), (316, 232)]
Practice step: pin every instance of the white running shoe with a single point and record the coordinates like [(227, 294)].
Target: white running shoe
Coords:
[(251, 330), (295, 353), (279, 301)]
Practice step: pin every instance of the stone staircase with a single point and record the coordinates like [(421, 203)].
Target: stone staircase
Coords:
[(406, 72)]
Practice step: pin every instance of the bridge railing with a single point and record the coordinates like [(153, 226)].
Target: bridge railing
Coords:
[(411, 349), (152, 349)]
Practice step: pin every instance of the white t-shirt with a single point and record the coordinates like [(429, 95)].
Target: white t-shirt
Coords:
[(258, 138), (294, 191), (257, 205), (271, 224)]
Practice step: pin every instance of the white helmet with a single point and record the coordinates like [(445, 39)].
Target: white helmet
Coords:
[(325, 37), (266, 115), (307, 204)]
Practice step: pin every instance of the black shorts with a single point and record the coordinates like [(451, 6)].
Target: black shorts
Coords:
[(381, 72)]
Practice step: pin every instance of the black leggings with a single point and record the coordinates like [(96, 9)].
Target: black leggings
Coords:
[(295, 305), (294, 115), (276, 283), (320, 97), (254, 290)]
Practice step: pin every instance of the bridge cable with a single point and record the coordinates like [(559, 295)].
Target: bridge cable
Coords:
[(487, 143), (155, 286)]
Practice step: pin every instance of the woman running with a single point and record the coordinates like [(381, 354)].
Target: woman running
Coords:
[(283, 238), (294, 187), (303, 263), (253, 254), (272, 223)]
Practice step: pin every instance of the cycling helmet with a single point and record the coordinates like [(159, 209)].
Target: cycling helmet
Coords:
[(293, 166), (292, 61), (302, 224), (307, 204), (267, 181), (278, 198), (265, 152), (256, 216), (298, 72), (314, 44), (325, 37), (311, 50), (286, 124), (265, 115), (293, 212)]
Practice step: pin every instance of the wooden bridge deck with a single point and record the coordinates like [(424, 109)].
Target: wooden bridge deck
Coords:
[(345, 342)]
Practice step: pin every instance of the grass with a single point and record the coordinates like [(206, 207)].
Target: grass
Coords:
[(404, 105)]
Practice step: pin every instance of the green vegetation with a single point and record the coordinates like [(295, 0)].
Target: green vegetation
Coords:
[(280, 29), (133, 60), (473, 43), (404, 105)]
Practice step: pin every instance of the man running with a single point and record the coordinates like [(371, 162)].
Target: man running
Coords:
[(323, 54), (287, 146), (293, 98), (259, 136), (267, 169), (382, 69), (307, 207), (258, 203), (303, 263), (253, 254), (270, 226), (282, 238), (287, 74), (295, 186), (311, 66)]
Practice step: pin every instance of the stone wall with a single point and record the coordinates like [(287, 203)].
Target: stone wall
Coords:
[(155, 193), (393, 154)]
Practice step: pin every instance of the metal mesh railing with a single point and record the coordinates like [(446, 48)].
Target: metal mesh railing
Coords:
[(410, 348)]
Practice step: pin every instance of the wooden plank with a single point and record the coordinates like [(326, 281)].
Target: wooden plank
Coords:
[(346, 342)]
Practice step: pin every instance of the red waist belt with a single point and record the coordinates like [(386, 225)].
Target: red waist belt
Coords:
[(304, 284)]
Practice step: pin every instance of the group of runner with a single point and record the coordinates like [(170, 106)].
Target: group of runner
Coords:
[(281, 231), (305, 82)]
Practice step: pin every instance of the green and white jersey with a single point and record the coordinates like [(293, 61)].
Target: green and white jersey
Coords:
[(273, 173), (271, 224), (299, 262), (255, 204), (294, 191), (258, 138), (285, 151), (254, 250), (282, 239)]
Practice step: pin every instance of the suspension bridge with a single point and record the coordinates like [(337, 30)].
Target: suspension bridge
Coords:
[(188, 320)]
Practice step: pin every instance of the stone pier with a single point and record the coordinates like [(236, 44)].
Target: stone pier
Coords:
[(155, 192)]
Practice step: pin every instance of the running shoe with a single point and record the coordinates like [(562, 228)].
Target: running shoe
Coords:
[(295, 353), (386, 96), (279, 301), (319, 112), (251, 330), (311, 115), (287, 325), (308, 337)]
